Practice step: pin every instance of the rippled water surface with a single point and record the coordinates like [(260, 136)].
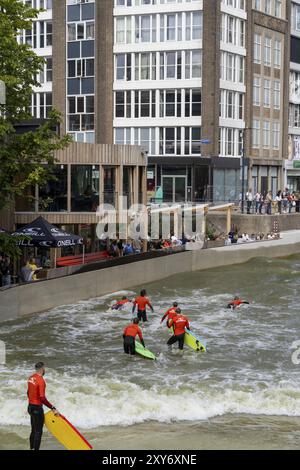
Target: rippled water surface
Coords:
[(243, 393)]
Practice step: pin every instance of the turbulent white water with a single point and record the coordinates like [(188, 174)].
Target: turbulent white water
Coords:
[(248, 367)]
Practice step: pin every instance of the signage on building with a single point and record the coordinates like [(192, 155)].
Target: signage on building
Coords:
[(150, 175)]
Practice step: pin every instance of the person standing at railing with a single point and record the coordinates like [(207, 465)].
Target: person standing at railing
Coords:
[(268, 202), (257, 199), (278, 199), (249, 199)]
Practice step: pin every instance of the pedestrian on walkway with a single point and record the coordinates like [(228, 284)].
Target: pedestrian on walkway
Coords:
[(278, 199), (268, 202), (249, 199)]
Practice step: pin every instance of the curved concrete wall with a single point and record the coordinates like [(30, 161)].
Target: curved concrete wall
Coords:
[(33, 298)]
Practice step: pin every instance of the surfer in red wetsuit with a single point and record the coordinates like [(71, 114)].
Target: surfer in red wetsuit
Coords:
[(37, 398), (179, 323), (236, 303), (129, 335), (120, 303), (170, 313), (142, 302)]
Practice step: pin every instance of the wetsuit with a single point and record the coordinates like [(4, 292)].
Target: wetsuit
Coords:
[(169, 315), (180, 323), (236, 303), (142, 303), (130, 332), (119, 304), (37, 398)]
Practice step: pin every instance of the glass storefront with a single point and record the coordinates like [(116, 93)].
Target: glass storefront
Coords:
[(227, 186), (53, 196), (109, 185), (84, 188)]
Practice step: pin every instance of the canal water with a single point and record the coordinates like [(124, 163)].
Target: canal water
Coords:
[(244, 393)]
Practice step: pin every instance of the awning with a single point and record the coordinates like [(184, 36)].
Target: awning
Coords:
[(43, 234)]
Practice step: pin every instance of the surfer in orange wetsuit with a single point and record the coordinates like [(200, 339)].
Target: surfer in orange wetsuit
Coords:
[(120, 303), (170, 313), (129, 335), (236, 303), (37, 398), (142, 302), (179, 323)]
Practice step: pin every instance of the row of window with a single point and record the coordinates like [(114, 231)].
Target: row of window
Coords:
[(162, 141), (262, 137), (45, 75), (159, 66), (266, 92), (295, 86), (80, 11), (232, 67), (295, 16), (239, 4), (230, 142), (39, 36), (233, 30), (81, 31), (131, 3), (159, 28), (41, 105), (39, 4), (270, 7), (231, 105), (158, 103), (265, 48), (294, 115)]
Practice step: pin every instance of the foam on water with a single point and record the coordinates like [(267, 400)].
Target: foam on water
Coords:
[(248, 368)]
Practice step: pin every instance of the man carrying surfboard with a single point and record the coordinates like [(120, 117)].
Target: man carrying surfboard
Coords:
[(180, 323), (236, 303), (129, 335), (142, 302), (37, 398), (170, 313)]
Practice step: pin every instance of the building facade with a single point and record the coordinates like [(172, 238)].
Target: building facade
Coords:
[(198, 84), (292, 165)]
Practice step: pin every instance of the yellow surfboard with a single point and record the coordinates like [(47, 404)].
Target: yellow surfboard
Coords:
[(65, 432), (194, 342)]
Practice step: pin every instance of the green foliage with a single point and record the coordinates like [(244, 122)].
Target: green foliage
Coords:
[(27, 159), (8, 245), (211, 232)]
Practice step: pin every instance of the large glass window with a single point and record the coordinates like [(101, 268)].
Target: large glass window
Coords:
[(109, 185), (53, 196), (84, 188)]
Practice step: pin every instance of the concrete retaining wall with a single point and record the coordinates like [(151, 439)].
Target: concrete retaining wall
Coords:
[(33, 298), (254, 223)]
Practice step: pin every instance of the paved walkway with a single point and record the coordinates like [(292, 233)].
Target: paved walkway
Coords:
[(287, 238)]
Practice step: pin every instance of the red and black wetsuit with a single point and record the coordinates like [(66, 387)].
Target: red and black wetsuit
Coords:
[(180, 323), (130, 332), (36, 398), (142, 303), (169, 315)]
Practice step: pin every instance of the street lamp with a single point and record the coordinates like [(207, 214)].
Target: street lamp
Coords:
[(243, 162), (243, 171), (2, 93)]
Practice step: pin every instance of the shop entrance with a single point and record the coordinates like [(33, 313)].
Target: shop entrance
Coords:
[(174, 188)]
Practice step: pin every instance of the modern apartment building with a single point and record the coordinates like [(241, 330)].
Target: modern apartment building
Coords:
[(196, 83), (268, 78), (293, 163), (88, 173)]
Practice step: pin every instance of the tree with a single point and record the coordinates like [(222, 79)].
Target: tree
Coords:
[(27, 159)]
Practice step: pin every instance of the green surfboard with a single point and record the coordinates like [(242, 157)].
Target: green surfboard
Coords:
[(139, 349)]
